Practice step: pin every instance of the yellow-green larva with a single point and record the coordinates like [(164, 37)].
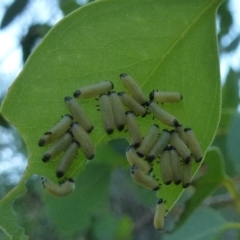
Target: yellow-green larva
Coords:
[(67, 159), (94, 90), (107, 113), (134, 89), (180, 146), (176, 166), (160, 144), (165, 97), (186, 174), (133, 129), (132, 104), (58, 190), (143, 179), (56, 131), (159, 215), (134, 159), (148, 141), (194, 145), (182, 134), (84, 139), (118, 111), (162, 115), (78, 114), (165, 166), (58, 147)]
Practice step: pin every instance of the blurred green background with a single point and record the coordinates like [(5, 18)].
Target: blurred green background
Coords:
[(118, 208)]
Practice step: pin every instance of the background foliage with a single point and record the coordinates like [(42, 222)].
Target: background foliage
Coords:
[(123, 211)]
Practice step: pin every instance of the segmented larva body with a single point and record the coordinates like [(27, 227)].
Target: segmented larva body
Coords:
[(67, 159), (132, 104), (194, 145), (84, 139), (186, 174), (159, 146), (134, 159), (159, 215), (118, 111), (181, 133), (165, 166), (58, 147), (56, 131), (78, 114), (176, 166), (133, 129), (148, 141), (107, 113), (162, 115), (94, 90), (165, 97), (58, 190), (143, 179), (180, 146), (134, 89)]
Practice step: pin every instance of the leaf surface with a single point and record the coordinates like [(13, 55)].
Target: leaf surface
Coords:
[(165, 45)]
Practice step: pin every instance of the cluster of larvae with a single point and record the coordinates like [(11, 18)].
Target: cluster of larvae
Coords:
[(171, 149)]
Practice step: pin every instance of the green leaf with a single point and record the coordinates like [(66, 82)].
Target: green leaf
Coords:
[(167, 45), (214, 164), (205, 223)]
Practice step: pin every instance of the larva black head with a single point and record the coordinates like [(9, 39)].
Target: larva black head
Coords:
[(48, 133), (186, 185), (167, 148), (198, 160), (90, 129), (151, 95), (140, 154), (177, 182), (160, 201), (165, 130), (77, 143), (168, 182), (111, 92), (134, 168), (68, 115), (150, 158), (156, 188), (111, 84), (121, 93), (136, 145), (70, 180), (67, 98), (156, 125), (109, 131), (148, 103), (128, 112), (187, 160), (77, 93), (181, 96), (59, 174), (123, 75), (173, 131), (171, 148), (91, 157), (46, 157), (175, 123), (120, 128), (41, 142), (187, 129), (73, 124)]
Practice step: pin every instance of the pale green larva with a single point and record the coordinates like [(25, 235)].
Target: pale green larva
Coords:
[(94, 90), (56, 131)]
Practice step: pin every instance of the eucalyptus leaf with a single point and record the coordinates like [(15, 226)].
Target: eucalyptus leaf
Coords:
[(167, 45)]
